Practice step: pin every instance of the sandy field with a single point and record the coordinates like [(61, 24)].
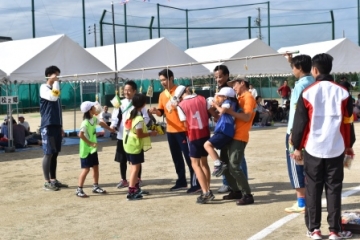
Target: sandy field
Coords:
[(29, 212)]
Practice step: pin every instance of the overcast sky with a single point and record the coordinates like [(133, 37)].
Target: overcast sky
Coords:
[(65, 17)]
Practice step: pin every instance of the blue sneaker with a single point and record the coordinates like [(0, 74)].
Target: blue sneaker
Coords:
[(178, 187), (134, 196), (193, 189), (219, 170)]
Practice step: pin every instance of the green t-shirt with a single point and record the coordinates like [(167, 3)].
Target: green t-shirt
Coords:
[(88, 126)]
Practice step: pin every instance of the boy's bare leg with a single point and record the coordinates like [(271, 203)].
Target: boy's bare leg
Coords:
[(206, 170), (82, 177), (96, 174), (211, 151), (195, 163)]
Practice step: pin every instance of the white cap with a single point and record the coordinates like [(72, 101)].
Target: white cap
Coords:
[(227, 92), (86, 106), (178, 92)]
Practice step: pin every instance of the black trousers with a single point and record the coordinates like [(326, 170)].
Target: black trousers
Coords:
[(320, 172)]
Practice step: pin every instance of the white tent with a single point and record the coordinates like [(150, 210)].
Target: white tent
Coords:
[(146, 54), (26, 60), (346, 54), (276, 65), (2, 74)]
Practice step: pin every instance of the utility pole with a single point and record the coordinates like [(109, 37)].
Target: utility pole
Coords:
[(84, 28), (33, 17), (258, 24), (94, 32)]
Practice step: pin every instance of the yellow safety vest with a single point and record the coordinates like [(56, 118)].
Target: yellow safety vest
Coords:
[(132, 144)]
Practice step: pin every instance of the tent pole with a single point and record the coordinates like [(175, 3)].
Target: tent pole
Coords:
[(114, 41), (177, 65)]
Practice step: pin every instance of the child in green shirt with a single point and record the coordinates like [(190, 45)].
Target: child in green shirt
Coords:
[(88, 147)]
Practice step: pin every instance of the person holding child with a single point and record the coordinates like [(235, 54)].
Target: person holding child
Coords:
[(224, 129), (136, 142), (88, 148)]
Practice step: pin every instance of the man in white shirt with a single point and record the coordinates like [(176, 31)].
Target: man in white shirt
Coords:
[(24, 123), (118, 115), (253, 91)]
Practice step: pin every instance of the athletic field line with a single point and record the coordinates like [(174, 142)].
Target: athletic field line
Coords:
[(266, 231)]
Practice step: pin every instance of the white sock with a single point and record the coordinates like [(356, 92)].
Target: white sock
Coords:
[(217, 162)]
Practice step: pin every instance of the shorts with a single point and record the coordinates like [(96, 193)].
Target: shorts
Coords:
[(120, 155), (90, 161), (51, 139), (136, 158), (220, 140), (296, 172), (196, 148)]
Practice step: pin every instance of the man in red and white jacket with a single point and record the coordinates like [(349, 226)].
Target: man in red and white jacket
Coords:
[(323, 126)]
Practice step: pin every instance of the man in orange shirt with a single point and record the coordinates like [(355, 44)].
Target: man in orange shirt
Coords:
[(176, 133), (234, 152)]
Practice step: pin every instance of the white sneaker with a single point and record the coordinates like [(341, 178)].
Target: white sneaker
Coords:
[(316, 234), (340, 235), (223, 189)]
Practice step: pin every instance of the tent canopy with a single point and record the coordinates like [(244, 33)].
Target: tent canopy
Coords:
[(26, 60), (276, 65), (346, 54), (2, 74), (145, 54)]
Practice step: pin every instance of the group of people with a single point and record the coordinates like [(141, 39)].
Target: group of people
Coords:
[(316, 103), (20, 132)]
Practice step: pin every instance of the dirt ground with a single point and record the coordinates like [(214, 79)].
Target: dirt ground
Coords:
[(29, 212)]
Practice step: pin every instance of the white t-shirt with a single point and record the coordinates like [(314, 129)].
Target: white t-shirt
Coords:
[(253, 92), (124, 106), (25, 124)]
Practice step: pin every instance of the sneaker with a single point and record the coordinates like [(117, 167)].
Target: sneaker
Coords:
[(295, 209), (224, 189), (316, 234), (346, 234), (178, 187), (142, 192), (60, 185), (203, 194), (50, 186), (204, 198), (134, 196), (340, 235), (194, 189), (219, 170), (80, 193), (122, 184), (233, 195), (97, 189), (246, 199)]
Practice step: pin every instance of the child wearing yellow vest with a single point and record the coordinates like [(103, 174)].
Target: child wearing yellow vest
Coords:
[(136, 142), (88, 148)]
